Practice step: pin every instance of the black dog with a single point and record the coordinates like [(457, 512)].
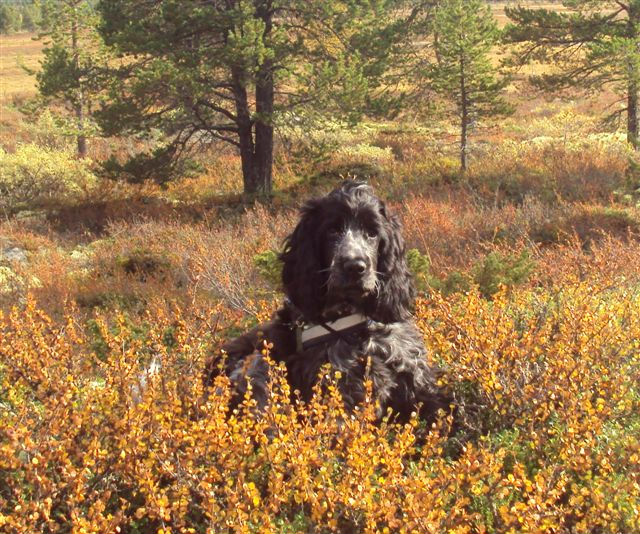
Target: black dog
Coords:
[(348, 303)]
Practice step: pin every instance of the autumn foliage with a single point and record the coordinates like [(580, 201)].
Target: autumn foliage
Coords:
[(113, 295), (545, 436)]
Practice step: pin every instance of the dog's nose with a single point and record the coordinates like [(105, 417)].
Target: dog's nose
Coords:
[(355, 267)]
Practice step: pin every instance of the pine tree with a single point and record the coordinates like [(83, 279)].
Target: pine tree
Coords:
[(231, 71), (10, 19), (592, 45), (74, 58), (465, 33)]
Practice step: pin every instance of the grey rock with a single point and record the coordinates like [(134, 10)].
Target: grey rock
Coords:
[(14, 254)]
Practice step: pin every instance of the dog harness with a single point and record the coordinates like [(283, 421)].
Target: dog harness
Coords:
[(344, 328)]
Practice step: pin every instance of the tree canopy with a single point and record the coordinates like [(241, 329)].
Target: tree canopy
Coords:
[(593, 44), (75, 61), (233, 70), (463, 74)]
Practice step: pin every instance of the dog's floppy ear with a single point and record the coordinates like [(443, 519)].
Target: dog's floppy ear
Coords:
[(397, 293), (302, 278)]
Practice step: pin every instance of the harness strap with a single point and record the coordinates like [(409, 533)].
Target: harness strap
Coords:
[(311, 334), (343, 329)]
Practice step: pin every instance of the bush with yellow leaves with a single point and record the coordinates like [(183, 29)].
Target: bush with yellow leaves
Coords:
[(36, 177), (545, 436)]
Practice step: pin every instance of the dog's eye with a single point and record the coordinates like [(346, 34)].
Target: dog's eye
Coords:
[(370, 233)]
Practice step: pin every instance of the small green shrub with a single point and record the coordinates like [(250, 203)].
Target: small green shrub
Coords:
[(143, 264), (496, 269), (455, 282), (420, 266), (37, 177), (109, 300), (269, 266), (501, 269), (160, 166), (619, 218)]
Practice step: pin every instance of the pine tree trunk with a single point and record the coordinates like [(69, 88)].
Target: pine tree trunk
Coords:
[(632, 115), (463, 142), (633, 30), (464, 122), (264, 129), (245, 133), (79, 104), (82, 139), (256, 155), (256, 136), (264, 109)]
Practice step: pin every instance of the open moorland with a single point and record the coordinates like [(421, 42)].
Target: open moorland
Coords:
[(528, 270)]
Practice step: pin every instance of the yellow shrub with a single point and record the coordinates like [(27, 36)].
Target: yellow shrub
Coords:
[(34, 177), (546, 437)]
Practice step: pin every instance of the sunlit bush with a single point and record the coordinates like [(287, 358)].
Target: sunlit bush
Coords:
[(48, 131), (582, 168), (366, 153), (545, 437), (34, 177)]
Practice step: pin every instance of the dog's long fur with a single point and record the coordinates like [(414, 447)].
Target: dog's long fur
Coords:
[(346, 255)]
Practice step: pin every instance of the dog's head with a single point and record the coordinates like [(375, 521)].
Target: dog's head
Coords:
[(348, 251)]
